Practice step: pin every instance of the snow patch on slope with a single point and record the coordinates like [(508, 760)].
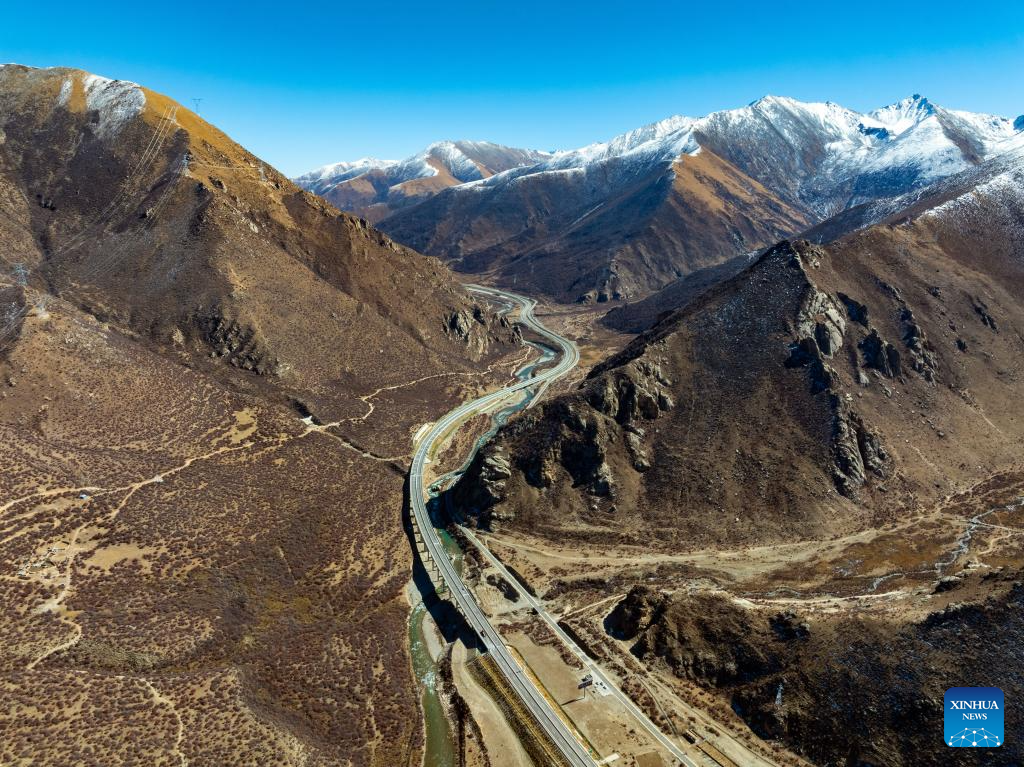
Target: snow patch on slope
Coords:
[(65, 92), (117, 101), (997, 189)]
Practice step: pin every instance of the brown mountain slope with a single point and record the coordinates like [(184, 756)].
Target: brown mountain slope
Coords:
[(814, 469), (844, 689), (995, 183), (204, 575), (600, 234), (638, 316), (206, 248), (821, 389)]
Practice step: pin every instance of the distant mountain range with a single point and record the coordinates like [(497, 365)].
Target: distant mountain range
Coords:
[(376, 188), (624, 218)]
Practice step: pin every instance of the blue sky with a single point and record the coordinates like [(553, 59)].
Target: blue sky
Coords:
[(303, 84)]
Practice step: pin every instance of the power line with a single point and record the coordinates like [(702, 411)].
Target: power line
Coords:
[(148, 156)]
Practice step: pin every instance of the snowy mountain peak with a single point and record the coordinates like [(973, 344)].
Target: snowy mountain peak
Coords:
[(114, 102), (466, 161), (905, 114), (768, 100), (375, 187)]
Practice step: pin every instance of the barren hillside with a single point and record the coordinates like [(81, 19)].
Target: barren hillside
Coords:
[(209, 382)]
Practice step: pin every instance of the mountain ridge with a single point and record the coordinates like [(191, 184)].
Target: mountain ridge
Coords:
[(815, 439), (803, 163), (376, 188), (210, 384)]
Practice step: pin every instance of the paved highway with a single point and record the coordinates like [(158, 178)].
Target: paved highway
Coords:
[(585, 659), (574, 753), (571, 749)]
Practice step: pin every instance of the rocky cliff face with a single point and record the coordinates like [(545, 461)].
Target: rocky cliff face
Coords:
[(614, 412), (476, 329)]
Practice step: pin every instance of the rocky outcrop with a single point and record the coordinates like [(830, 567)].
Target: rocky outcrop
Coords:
[(948, 583), (640, 608), (857, 451), (635, 446), (474, 328), (822, 319), (703, 637), (855, 310), (820, 328), (584, 433), (788, 625), (885, 358), (881, 680), (922, 356), (485, 479), (240, 344), (635, 392), (981, 309), (881, 355), (580, 449)]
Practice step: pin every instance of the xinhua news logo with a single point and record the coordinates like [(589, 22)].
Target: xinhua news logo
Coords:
[(974, 717)]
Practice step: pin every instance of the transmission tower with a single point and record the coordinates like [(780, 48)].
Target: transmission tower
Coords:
[(196, 103)]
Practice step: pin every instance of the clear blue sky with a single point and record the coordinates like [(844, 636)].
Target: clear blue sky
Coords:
[(303, 84)]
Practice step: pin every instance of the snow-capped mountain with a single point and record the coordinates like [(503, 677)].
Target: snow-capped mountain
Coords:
[(824, 157), (821, 156), (323, 179), (980, 209), (629, 215), (374, 188), (996, 185)]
